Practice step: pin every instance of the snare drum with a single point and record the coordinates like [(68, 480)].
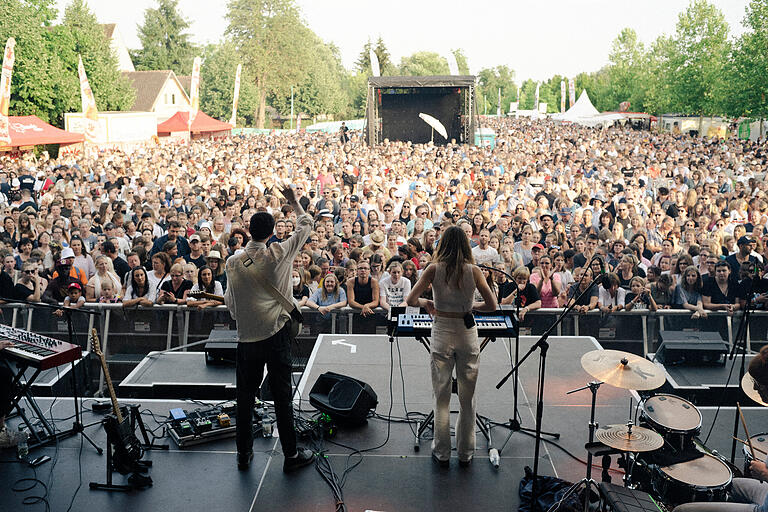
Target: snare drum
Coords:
[(760, 442), (703, 479), (676, 419)]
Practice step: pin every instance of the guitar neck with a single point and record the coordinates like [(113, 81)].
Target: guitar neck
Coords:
[(205, 295), (107, 377)]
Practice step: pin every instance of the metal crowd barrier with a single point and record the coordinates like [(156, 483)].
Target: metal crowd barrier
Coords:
[(128, 334)]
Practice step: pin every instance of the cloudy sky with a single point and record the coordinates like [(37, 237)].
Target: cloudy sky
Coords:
[(536, 39)]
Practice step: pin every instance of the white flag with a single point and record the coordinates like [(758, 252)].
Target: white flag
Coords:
[(9, 56), (194, 92), (236, 96), (375, 64), (88, 102), (536, 104), (453, 66)]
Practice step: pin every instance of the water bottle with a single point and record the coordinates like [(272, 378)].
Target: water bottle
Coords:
[(23, 446), (266, 424)]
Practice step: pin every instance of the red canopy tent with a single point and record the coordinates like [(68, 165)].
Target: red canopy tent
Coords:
[(203, 123), (31, 131)]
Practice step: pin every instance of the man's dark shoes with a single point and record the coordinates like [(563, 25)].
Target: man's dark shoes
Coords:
[(465, 463), (244, 460), (442, 463), (303, 458)]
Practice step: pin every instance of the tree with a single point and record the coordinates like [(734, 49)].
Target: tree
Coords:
[(490, 80), (747, 68), (35, 84), (218, 74), (696, 60), (363, 62), (272, 42), (424, 64), (627, 71), (164, 42), (81, 34)]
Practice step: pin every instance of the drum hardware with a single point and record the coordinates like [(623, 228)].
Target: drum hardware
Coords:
[(676, 419)]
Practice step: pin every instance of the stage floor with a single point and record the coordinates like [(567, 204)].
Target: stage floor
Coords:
[(393, 477)]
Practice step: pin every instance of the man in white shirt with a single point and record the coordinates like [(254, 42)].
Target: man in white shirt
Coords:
[(484, 254)]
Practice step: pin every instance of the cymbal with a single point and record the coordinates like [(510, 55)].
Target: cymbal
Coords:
[(748, 386), (638, 440), (623, 370)]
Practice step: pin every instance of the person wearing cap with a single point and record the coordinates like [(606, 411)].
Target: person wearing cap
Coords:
[(537, 251), (547, 222), (195, 255), (743, 255), (67, 259)]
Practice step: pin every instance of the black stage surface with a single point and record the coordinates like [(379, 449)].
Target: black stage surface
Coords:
[(391, 478)]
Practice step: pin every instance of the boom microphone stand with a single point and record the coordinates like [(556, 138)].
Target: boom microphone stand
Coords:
[(544, 346), (514, 423)]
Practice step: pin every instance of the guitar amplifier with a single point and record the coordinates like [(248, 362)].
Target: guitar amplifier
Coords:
[(622, 499), (692, 347), (221, 347)]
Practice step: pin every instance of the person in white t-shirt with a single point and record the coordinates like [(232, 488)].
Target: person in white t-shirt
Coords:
[(394, 288), (483, 253)]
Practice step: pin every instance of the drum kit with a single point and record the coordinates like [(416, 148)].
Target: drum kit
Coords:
[(661, 454)]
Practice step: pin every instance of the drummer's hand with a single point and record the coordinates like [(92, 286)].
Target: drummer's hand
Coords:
[(759, 469)]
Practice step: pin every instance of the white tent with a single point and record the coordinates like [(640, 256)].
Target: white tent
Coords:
[(584, 113)]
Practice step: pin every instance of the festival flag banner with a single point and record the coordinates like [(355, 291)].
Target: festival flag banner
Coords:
[(88, 101), (236, 96), (572, 91), (536, 102), (9, 56), (298, 122), (453, 66), (374, 63), (194, 92), (562, 95), (498, 107)]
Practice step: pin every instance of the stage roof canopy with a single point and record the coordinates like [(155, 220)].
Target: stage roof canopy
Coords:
[(422, 81), (33, 131), (202, 123)]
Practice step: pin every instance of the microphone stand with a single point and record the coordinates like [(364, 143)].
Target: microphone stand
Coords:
[(741, 336), (514, 423), (543, 346)]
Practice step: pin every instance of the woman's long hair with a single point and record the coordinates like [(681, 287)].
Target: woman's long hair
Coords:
[(210, 287), (139, 291), (453, 250)]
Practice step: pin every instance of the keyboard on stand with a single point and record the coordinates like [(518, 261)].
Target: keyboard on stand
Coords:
[(496, 325), (36, 350)]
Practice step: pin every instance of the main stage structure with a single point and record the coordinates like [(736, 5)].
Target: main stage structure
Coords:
[(394, 104)]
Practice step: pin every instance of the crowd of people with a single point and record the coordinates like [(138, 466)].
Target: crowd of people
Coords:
[(674, 221)]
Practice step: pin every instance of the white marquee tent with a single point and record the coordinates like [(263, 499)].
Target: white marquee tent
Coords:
[(584, 113)]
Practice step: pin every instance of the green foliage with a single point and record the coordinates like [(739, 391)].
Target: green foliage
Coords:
[(217, 76), (490, 80), (165, 44), (45, 81), (424, 64), (627, 72), (274, 44), (363, 62)]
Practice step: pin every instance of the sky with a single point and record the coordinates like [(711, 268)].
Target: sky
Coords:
[(535, 39)]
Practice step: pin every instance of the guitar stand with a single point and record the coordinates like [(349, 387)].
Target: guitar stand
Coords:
[(136, 480), (481, 422), (136, 420)]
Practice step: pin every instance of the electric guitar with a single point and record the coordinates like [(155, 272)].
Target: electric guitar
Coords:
[(127, 447), (297, 319)]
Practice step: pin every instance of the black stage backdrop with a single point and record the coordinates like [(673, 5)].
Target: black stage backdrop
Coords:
[(399, 112)]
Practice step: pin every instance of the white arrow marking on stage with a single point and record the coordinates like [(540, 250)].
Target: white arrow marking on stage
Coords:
[(352, 348)]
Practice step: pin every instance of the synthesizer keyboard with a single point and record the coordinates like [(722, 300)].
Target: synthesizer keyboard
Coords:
[(498, 325), (36, 350)]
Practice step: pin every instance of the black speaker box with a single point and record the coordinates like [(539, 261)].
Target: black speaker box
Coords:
[(345, 399), (692, 347)]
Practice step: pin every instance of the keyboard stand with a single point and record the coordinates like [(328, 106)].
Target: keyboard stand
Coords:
[(429, 421), (37, 437)]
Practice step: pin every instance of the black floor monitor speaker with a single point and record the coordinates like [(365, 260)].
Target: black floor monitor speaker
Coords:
[(692, 347), (345, 399)]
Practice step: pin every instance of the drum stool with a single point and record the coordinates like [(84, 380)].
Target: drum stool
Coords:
[(622, 499)]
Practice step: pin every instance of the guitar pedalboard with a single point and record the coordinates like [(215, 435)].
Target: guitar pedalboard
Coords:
[(206, 424)]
